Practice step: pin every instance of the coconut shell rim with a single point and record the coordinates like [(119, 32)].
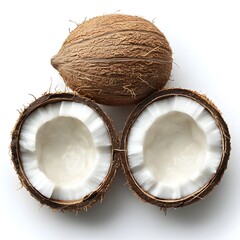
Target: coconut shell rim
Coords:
[(88, 200), (226, 147)]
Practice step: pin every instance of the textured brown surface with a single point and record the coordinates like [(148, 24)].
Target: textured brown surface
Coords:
[(211, 108), (115, 59), (16, 158)]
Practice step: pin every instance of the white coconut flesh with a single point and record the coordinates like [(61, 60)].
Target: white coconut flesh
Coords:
[(174, 148), (65, 150)]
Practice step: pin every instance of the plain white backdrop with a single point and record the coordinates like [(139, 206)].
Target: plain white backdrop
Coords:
[(204, 36)]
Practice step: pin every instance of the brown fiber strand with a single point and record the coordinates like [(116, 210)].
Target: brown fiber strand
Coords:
[(95, 196), (226, 147), (115, 59)]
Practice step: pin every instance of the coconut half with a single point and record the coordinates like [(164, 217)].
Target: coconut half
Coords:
[(63, 151), (177, 147)]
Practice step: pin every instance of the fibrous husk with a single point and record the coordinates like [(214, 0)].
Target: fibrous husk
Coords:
[(55, 204), (203, 191), (115, 59)]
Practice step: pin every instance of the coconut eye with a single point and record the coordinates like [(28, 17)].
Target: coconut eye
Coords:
[(177, 147), (62, 148)]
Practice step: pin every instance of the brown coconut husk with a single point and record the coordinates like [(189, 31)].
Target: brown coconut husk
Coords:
[(208, 187), (56, 204), (115, 59)]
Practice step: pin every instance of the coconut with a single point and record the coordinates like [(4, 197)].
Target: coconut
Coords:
[(63, 149), (176, 148), (115, 59)]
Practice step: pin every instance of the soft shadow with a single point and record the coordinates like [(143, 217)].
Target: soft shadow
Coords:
[(207, 209), (117, 196), (100, 213), (118, 114)]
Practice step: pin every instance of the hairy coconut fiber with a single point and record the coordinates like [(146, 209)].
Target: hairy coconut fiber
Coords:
[(115, 59), (57, 204), (225, 149)]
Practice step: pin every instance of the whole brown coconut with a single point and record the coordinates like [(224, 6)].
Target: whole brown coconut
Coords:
[(115, 59)]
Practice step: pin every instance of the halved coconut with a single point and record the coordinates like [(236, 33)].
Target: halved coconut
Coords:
[(176, 148), (63, 151)]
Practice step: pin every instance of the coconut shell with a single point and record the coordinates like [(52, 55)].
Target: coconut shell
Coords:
[(115, 59), (202, 192), (95, 196)]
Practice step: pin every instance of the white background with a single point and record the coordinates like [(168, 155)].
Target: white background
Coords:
[(205, 39)]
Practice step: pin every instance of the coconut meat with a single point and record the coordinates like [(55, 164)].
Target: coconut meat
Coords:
[(65, 150), (174, 148)]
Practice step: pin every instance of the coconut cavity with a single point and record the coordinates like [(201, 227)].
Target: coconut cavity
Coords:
[(180, 153), (63, 151), (177, 148)]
